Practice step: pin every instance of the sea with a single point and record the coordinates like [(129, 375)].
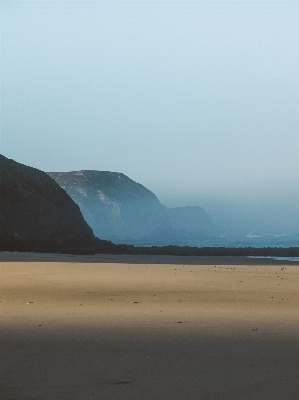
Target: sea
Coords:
[(295, 259)]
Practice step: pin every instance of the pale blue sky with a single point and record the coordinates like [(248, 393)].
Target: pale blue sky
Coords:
[(196, 100)]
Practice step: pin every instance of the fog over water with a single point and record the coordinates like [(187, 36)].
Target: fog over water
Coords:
[(196, 100)]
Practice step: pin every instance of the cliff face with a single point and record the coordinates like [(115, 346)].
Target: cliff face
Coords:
[(121, 210), (116, 207), (36, 214)]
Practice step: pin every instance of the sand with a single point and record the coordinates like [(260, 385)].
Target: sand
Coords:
[(138, 327)]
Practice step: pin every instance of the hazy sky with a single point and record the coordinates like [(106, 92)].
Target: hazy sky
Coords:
[(196, 100)]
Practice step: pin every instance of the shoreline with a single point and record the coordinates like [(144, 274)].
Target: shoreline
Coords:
[(6, 256)]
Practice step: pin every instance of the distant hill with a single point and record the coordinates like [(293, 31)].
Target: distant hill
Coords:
[(124, 211), (192, 224), (37, 215)]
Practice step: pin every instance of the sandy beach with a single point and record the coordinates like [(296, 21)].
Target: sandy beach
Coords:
[(139, 327)]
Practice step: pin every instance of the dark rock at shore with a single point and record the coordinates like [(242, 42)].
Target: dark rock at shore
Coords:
[(37, 215)]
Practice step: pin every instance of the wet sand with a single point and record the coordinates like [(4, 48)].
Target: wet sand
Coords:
[(139, 327)]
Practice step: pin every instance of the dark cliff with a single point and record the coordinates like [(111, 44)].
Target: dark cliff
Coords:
[(116, 207), (36, 214)]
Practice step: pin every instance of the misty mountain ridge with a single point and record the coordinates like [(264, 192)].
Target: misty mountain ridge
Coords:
[(124, 211), (38, 215)]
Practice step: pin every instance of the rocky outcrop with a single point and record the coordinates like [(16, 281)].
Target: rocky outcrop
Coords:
[(119, 209), (37, 215), (116, 207)]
